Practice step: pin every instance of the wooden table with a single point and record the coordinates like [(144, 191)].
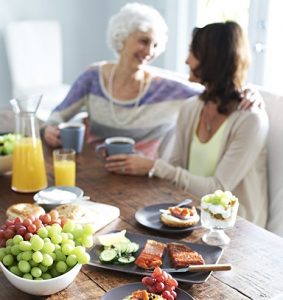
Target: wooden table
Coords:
[(256, 254)]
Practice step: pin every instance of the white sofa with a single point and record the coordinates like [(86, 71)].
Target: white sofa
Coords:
[(274, 107)]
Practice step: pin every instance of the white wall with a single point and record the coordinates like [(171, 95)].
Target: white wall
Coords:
[(84, 24)]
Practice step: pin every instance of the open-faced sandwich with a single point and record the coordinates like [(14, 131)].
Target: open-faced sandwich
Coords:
[(143, 295), (180, 216)]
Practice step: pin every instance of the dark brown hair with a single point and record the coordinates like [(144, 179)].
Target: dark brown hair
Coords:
[(223, 54)]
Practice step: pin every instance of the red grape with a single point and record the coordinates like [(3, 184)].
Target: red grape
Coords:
[(21, 230), (8, 233), (166, 294), (172, 281), (174, 294), (2, 243), (32, 228), (160, 287), (28, 236), (159, 278), (27, 222), (17, 220), (37, 223), (1, 233)]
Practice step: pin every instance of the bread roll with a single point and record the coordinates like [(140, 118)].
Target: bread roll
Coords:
[(24, 210)]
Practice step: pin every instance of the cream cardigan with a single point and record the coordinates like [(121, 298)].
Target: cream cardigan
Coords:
[(241, 166)]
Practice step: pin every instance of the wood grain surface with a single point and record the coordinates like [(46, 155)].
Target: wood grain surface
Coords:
[(256, 255)]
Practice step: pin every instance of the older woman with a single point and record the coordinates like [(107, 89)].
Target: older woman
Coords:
[(217, 146), (122, 98)]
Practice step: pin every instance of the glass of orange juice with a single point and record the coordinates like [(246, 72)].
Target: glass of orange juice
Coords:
[(64, 162)]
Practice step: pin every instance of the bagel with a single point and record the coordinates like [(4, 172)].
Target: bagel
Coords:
[(24, 210), (172, 221)]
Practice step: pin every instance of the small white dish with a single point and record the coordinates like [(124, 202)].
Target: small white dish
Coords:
[(58, 195), (42, 287)]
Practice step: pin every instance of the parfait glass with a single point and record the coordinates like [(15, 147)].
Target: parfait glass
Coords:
[(216, 224)]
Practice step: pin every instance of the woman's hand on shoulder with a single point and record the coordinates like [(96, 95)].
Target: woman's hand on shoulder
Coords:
[(51, 136), (131, 164), (252, 98)]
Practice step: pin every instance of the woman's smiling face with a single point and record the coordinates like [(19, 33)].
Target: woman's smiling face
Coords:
[(139, 48)]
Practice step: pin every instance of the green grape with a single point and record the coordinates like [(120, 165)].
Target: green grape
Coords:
[(47, 260), (9, 242), (15, 270), (61, 266), (78, 231), (17, 239), (38, 278), (28, 276), (56, 238), (47, 240), (67, 249), (20, 256), (36, 242), (71, 260), (33, 263), (42, 232), (15, 250), (88, 229), (8, 260), (25, 246), (24, 266), (70, 242), (36, 272), (8, 249), (54, 272), (46, 276), (55, 229), (83, 258), (69, 226), (79, 241), (78, 250), (48, 247), (70, 235), (43, 268), (60, 256), (37, 256), (53, 255), (26, 255), (2, 253), (64, 236), (57, 247), (87, 241)]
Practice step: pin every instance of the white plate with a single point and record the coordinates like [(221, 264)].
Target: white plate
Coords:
[(98, 214)]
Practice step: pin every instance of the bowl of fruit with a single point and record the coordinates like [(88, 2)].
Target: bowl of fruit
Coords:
[(7, 142), (46, 260)]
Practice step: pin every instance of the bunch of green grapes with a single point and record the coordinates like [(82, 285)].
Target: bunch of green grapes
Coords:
[(7, 142), (49, 253)]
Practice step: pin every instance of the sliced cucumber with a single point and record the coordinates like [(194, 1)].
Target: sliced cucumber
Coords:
[(126, 259), (132, 247), (108, 255)]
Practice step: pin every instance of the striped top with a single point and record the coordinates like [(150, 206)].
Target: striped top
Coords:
[(148, 121)]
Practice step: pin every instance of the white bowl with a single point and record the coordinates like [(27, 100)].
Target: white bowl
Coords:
[(42, 287), (5, 163)]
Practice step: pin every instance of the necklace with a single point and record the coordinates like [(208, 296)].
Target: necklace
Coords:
[(208, 126), (136, 100)]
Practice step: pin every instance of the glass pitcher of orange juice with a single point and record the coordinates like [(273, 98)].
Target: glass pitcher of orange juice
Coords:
[(29, 173)]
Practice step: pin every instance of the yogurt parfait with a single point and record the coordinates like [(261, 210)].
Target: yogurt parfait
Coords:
[(218, 211)]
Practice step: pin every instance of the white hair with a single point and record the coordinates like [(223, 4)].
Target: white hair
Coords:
[(133, 17)]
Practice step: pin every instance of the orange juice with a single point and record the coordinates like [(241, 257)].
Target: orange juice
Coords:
[(29, 173), (65, 172)]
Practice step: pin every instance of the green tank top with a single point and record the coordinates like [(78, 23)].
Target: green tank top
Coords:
[(203, 157)]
